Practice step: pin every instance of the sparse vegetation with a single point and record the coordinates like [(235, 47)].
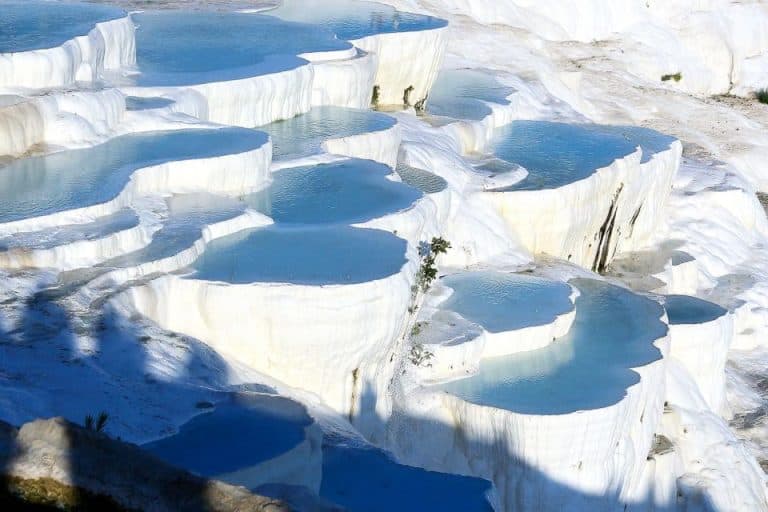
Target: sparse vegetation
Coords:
[(421, 105), (98, 424), (676, 77), (46, 494), (417, 327), (420, 356), (762, 96), (407, 96), (429, 252)]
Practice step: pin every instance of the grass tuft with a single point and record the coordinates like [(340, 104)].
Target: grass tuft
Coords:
[(676, 77)]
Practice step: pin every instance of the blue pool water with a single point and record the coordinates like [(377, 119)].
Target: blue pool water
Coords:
[(240, 433), (556, 154), (347, 191), (352, 20), (502, 302), (425, 181), (302, 255), (186, 48), (461, 93), (683, 309), (589, 368), (303, 135), (33, 25), (650, 141), (49, 184)]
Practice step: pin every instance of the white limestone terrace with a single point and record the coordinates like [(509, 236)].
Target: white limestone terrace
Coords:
[(67, 118), (701, 333), (469, 104), (253, 293), (188, 223), (561, 427), (287, 448), (285, 68), (78, 186), (616, 178), (408, 46), (254, 307), (79, 245), (49, 44)]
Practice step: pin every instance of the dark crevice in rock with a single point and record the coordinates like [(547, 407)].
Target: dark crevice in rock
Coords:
[(605, 234)]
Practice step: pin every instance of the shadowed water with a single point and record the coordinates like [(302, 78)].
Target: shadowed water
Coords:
[(347, 191), (238, 434), (35, 25), (302, 255), (44, 185), (683, 309), (589, 368)]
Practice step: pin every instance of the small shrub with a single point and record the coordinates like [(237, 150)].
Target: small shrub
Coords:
[(417, 327), (420, 356), (429, 252), (98, 424), (407, 96), (676, 77), (762, 96)]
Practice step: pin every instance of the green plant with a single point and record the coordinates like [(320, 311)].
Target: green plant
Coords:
[(676, 77), (762, 96), (429, 252), (417, 327), (407, 96), (420, 356), (98, 424)]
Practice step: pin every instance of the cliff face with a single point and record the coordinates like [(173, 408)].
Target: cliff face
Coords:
[(56, 463)]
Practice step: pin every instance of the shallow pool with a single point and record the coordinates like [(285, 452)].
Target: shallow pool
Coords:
[(347, 191), (352, 20), (302, 255), (556, 154), (589, 368), (501, 302), (61, 235), (238, 434), (304, 135), (683, 309), (427, 182), (49, 184), (187, 48), (462, 93), (134, 103), (34, 25), (188, 215)]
